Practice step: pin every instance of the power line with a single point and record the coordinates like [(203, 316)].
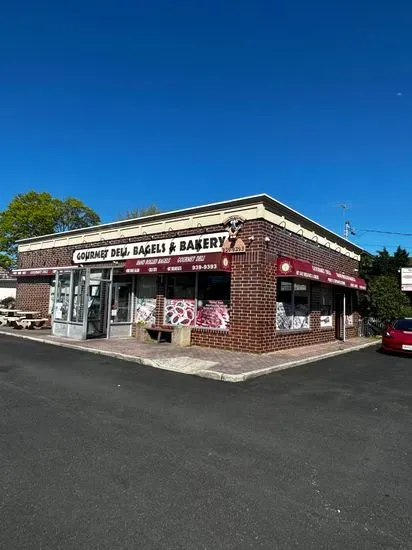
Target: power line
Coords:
[(385, 232)]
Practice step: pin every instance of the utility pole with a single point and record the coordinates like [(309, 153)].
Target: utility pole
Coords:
[(345, 222), (347, 228)]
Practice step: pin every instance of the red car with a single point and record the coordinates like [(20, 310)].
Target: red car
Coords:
[(397, 336)]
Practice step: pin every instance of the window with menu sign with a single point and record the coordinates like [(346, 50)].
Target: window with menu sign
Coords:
[(198, 299), (213, 300), (292, 307), (180, 302)]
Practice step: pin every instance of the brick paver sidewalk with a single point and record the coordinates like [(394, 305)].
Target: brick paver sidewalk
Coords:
[(207, 362)]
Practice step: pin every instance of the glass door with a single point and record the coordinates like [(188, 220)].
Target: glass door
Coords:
[(121, 305), (98, 302)]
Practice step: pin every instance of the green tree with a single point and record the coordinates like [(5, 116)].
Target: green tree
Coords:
[(387, 301), (33, 214), (365, 266), (28, 215), (150, 210), (400, 259), (382, 263), (5, 261), (74, 214), (384, 298)]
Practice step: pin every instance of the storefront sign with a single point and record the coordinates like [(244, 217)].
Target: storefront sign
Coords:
[(179, 246), (233, 243), (40, 271), (291, 267), (234, 247), (180, 264), (406, 279)]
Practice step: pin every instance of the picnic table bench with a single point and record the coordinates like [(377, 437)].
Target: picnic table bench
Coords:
[(8, 312), (23, 322)]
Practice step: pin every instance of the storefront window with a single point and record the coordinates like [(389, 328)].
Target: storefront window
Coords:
[(292, 308), (146, 291), (62, 297), (77, 313), (181, 286), (326, 307), (180, 304), (121, 299), (213, 300), (198, 299), (51, 298)]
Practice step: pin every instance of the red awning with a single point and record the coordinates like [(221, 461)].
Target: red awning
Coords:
[(215, 261), (291, 267), (40, 271)]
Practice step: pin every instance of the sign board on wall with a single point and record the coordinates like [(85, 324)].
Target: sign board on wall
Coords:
[(326, 318), (214, 261), (207, 242), (146, 311), (406, 279)]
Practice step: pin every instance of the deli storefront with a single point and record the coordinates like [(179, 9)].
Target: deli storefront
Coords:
[(169, 282), (243, 283)]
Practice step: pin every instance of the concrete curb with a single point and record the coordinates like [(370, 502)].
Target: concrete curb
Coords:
[(215, 375), (140, 360), (210, 374)]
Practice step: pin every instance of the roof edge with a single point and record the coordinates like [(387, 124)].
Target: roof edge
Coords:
[(263, 198)]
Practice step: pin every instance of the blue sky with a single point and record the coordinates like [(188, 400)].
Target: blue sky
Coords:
[(181, 103)]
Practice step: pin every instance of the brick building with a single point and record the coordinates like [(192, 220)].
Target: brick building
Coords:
[(249, 274)]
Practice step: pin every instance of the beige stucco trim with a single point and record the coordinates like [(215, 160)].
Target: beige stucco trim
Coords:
[(195, 221)]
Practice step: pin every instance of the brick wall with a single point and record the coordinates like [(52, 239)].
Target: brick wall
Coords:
[(253, 287), (253, 307), (33, 294)]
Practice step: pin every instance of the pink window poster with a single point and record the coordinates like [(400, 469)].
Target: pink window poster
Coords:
[(212, 314), (180, 312)]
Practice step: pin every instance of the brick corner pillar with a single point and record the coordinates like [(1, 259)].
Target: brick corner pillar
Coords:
[(253, 299), (160, 301), (160, 310)]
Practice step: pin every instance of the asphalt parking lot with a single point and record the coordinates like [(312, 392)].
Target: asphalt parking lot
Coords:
[(98, 453)]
